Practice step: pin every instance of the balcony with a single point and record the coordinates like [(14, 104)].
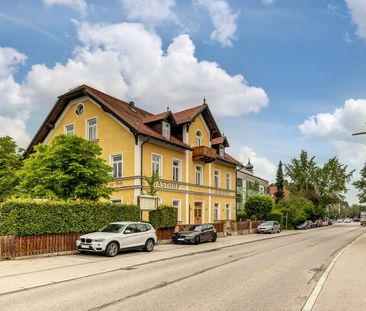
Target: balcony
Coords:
[(204, 154)]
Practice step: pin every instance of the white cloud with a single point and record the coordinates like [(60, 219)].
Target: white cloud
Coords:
[(77, 5), (268, 1), (263, 167), (357, 10), (223, 20), (127, 61), (337, 125), (150, 12)]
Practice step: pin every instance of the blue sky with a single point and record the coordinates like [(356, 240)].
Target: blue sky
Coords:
[(279, 75)]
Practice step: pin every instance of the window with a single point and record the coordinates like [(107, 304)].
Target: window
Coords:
[(217, 179), (222, 151), (228, 211), (217, 211), (156, 164), (92, 129), (198, 175), (69, 129), (177, 164), (117, 165), (198, 138), (166, 130), (116, 201), (176, 203), (79, 109), (228, 181)]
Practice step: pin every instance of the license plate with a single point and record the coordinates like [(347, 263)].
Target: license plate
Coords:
[(84, 246), (180, 239)]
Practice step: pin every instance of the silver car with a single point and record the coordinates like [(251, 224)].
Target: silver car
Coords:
[(269, 227), (117, 236)]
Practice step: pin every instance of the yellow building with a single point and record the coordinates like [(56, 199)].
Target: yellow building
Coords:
[(186, 148)]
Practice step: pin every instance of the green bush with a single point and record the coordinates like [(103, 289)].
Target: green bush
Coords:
[(298, 209), (164, 217), (241, 215), (258, 206), (276, 215), (29, 217)]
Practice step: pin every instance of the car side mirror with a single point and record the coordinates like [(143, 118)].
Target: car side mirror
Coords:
[(127, 231)]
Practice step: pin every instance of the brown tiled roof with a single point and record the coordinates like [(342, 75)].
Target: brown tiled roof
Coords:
[(230, 159), (188, 115), (129, 115), (221, 140), (156, 117)]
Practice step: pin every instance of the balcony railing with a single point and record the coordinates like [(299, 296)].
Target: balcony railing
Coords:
[(204, 154)]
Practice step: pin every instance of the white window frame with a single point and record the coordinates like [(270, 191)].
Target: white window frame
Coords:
[(160, 163), (179, 169), (199, 138), (179, 207), (116, 200), (218, 178), (216, 211), (112, 163), (228, 181), (66, 132), (166, 129), (201, 175), (228, 211), (88, 126), (222, 151)]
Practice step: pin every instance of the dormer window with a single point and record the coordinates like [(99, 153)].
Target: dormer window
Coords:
[(166, 130), (198, 138), (222, 151)]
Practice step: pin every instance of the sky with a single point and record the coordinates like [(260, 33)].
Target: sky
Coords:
[(280, 76)]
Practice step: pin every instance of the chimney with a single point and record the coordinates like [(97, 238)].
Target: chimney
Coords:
[(131, 103)]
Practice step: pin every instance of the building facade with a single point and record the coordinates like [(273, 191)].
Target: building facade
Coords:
[(248, 184), (185, 148)]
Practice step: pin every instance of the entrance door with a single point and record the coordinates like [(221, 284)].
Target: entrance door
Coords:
[(197, 212)]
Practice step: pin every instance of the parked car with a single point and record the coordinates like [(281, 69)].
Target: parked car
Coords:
[(196, 234), (347, 220), (117, 236), (304, 226), (269, 227), (340, 220)]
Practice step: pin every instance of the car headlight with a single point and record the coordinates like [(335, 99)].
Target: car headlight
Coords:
[(189, 236), (98, 240)]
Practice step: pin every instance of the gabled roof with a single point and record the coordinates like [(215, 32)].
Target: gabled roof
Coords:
[(230, 159), (221, 140), (159, 117), (189, 115), (128, 114)]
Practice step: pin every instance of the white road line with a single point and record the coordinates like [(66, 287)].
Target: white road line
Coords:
[(318, 287)]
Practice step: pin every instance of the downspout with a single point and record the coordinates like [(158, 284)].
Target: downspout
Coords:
[(237, 168), (141, 163)]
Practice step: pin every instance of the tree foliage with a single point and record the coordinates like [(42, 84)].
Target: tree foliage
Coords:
[(361, 185), (68, 168), (10, 162), (151, 181), (322, 185), (258, 206), (279, 194)]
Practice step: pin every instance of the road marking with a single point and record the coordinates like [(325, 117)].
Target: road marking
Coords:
[(318, 287)]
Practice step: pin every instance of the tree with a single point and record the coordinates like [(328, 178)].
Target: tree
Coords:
[(258, 206), (361, 185), (151, 181), (279, 194), (68, 168), (10, 162)]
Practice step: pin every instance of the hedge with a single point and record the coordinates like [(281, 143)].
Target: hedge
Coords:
[(164, 217), (29, 217)]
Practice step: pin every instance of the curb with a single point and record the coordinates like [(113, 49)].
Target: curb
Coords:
[(141, 264)]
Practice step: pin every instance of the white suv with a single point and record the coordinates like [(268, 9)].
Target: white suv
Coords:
[(116, 236)]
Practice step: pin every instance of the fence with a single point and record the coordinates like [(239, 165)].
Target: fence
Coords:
[(165, 233)]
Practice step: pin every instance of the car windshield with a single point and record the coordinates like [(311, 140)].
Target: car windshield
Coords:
[(267, 223), (193, 228), (112, 228)]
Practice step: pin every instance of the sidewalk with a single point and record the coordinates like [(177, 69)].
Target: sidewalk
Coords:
[(345, 288), (17, 275)]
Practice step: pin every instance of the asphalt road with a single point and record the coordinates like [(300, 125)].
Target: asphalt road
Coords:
[(275, 274)]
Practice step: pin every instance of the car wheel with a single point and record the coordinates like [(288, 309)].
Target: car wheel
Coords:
[(112, 249), (214, 237), (149, 245), (197, 240)]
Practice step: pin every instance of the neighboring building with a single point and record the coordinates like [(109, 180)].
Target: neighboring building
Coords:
[(273, 190), (186, 148), (247, 184)]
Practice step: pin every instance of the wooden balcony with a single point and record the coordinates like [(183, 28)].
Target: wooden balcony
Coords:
[(204, 154)]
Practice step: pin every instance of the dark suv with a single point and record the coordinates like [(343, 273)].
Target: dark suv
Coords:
[(196, 234)]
